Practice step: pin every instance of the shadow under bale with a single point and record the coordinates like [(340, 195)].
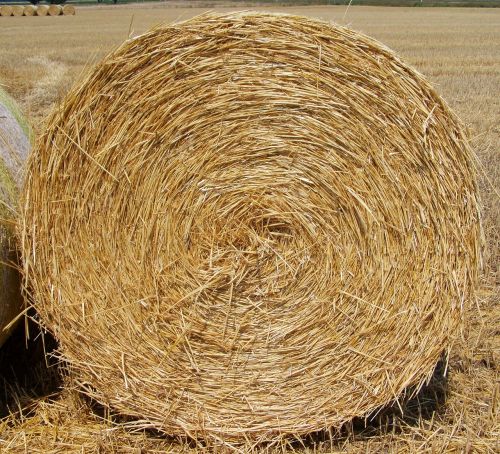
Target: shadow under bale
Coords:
[(28, 369), (72, 419)]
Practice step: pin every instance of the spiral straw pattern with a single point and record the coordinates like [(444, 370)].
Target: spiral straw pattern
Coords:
[(248, 225)]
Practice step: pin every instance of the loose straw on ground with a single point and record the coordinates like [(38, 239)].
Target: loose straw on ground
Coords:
[(14, 145), (247, 226)]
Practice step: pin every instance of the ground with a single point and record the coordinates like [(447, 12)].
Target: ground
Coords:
[(458, 49)]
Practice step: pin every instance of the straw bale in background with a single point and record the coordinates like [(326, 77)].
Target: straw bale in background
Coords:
[(30, 10), (42, 10), (17, 10), (6, 10), (68, 10), (55, 10)]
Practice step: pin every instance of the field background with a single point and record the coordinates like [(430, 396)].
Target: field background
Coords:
[(458, 49), (231, 3)]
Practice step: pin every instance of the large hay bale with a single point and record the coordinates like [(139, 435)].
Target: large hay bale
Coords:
[(251, 225), (17, 10), (6, 10), (29, 10), (14, 145), (55, 10), (68, 10), (42, 10)]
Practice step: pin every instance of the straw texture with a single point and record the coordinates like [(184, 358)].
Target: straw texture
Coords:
[(14, 145), (246, 226)]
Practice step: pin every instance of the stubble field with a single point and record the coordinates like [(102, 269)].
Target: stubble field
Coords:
[(458, 49)]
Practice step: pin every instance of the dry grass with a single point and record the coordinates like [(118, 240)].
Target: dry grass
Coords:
[(458, 49)]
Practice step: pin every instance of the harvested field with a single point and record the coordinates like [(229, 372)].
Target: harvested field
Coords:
[(459, 51)]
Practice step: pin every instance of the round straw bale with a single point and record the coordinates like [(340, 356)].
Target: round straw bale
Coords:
[(251, 225), (5, 10), (55, 10), (68, 10), (30, 10), (17, 10), (14, 145), (42, 10)]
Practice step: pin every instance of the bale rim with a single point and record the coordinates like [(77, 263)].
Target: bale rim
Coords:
[(251, 225)]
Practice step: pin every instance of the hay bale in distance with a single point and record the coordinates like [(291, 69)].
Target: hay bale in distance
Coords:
[(14, 145), (251, 225), (17, 10), (68, 10), (42, 10), (29, 10), (6, 10), (55, 10)]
